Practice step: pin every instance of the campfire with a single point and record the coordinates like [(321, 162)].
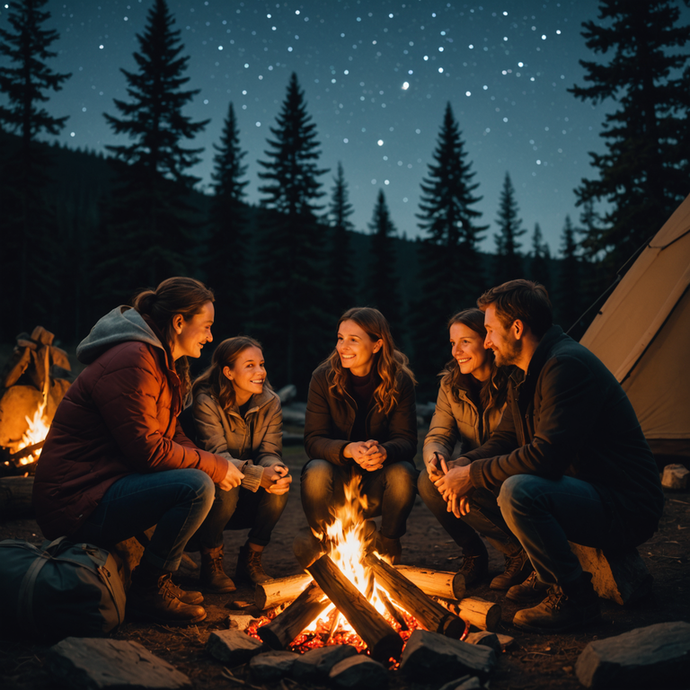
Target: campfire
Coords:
[(29, 395), (350, 594)]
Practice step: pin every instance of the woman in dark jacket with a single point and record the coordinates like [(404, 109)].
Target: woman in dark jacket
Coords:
[(470, 404), (115, 461), (237, 415), (361, 421)]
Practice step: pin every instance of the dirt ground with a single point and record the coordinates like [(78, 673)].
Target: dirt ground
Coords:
[(533, 661)]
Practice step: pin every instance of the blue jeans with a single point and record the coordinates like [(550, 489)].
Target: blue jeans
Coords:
[(240, 509), (175, 501), (484, 517), (546, 514), (390, 493)]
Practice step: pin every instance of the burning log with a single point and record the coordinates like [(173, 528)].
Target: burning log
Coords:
[(381, 639), (435, 583), (480, 613), (430, 614), (285, 627), (279, 591)]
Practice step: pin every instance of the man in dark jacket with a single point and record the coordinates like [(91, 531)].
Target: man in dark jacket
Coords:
[(568, 462)]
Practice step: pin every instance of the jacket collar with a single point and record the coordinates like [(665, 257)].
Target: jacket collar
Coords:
[(257, 402)]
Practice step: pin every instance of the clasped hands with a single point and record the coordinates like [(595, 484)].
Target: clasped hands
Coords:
[(369, 455), (452, 479), (275, 479)]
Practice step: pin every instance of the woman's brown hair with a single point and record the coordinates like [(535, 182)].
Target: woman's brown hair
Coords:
[(213, 380), (178, 295), (495, 391), (389, 361)]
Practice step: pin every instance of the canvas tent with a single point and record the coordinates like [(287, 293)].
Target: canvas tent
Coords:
[(642, 334)]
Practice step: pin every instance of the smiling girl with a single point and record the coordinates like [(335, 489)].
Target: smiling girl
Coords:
[(470, 404), (361, 420), (239, 417)]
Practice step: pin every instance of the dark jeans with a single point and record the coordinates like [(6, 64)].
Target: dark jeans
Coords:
[(390, 493), (546, 514), (240, 509), (484, 517), (176, 501)]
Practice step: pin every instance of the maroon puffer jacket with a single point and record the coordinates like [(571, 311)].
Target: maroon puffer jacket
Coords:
[(119, 417)]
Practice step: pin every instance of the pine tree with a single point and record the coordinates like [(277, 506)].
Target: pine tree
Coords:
[(227, 269), (508, 259), (149, 229), (451, 275), (340, 266), (383, 288), (30, 264), (643, 175), (539, 260), (568, 303), (292, 290)]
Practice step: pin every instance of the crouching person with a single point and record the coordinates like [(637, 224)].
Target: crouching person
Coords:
[(237, 415), (115, 461)]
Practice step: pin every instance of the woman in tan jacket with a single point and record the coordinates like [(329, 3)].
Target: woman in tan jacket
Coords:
[(470, 404), (239, 417)]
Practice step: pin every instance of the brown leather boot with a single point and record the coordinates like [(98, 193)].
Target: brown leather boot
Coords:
[(212, 576), (152, 598), (475, 563), (249, 566), (518, 567), (187, 597), (571, 606), (389, 547), (531, 591)]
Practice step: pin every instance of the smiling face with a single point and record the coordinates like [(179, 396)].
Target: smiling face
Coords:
[(507, 348), (190, 336), (467, 349), (247, 374), (356, 348)]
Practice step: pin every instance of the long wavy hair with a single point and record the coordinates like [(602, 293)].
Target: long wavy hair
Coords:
[(494, 390), (178, 295), (388, 361), (213, 381)]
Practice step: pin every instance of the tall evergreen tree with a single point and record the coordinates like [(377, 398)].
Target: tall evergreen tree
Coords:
[(568, 303), (451, 273), (383, 289), (227, 269), (340, 271), (292, 291), (30, 264), (643, 175), (508, 258), (150, 221), (539, 259)]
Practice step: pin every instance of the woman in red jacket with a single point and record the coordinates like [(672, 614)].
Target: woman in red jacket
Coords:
[(361, 421), (115, 462)]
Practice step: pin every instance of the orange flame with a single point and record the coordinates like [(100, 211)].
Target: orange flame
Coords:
[(37, 430)]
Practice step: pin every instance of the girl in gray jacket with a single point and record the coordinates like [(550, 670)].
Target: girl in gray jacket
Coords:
[(238, 416)]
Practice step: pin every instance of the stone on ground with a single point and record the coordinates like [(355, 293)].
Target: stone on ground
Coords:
[(359, 671), (233, 647), (315, 665), (271, 666), (430, 655), (642, 657), (83, 663), (675, 477)]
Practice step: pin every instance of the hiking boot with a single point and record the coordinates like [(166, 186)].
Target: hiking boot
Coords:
[(249, 566), (212, 575), (517, 569), (570, 606), (156, 602), (475, 565), (531, 591), (190, 597), (390, 548)]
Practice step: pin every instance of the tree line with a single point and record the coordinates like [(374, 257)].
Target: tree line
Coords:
[(284, 270)]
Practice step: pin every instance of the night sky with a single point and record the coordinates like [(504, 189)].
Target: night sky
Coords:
[(377, 75)]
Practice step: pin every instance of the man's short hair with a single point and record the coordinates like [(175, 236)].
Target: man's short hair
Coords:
[(520, 299)]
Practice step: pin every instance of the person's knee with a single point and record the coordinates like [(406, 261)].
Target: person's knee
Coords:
[(317, 479), (401, 479)]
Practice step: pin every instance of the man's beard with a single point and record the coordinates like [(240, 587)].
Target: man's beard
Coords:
[(511, 355)]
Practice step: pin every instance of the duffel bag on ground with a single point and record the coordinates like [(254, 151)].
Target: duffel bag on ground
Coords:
[(60, 589)]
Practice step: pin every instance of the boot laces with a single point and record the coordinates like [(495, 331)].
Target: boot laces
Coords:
[(166, 587), (514, 564), (555, 599)]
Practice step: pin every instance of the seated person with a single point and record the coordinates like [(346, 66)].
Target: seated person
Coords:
[(238, 416)]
